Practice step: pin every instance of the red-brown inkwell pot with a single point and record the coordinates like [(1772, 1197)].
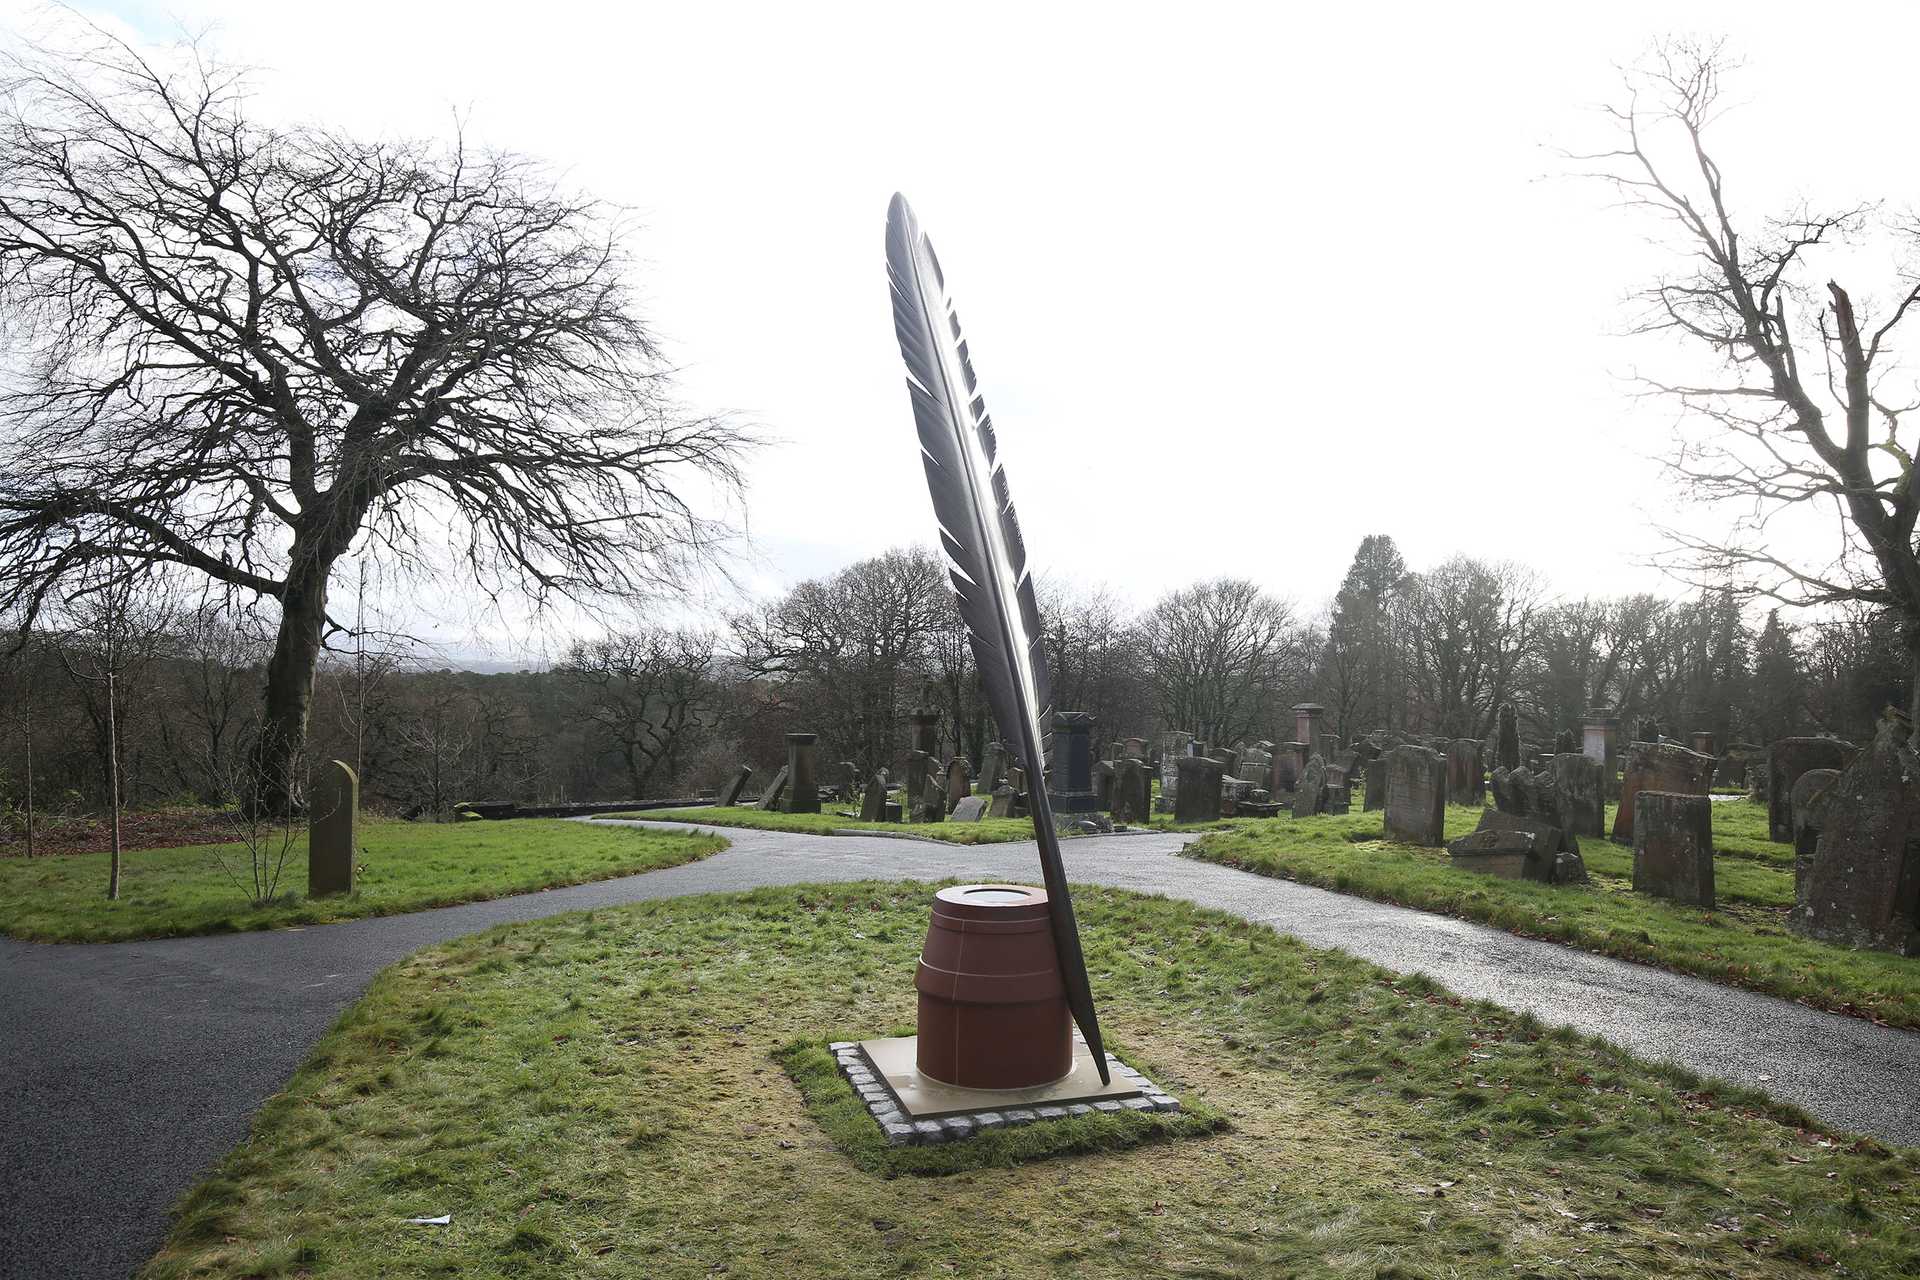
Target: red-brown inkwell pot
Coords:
[(993, 1009)]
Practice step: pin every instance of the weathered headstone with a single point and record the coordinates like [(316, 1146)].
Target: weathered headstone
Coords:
[(1416, 796), (1600, 733), (993, 769), (332, 830), (803, 790), (1810, 808), (1375, 794), (1103, 781), (1564, 743), (1465, 772), (1787, 759), (1583, 791), (1004, 798), (1563, 864), (873, 800), (1658, 766), (1197, 798), (1336, 796), (1510, 855), (1229, 760), (920, 769), (971, 808), (1861, 885), (1310, 790), (1131, 791), (1673, 844), (959, 781), (730, 794), (849, 782), (1137, 748), (1070, 786), (1506, 743), (776, 791), (932, 804)]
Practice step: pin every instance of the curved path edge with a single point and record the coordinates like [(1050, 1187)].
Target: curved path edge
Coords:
[(128, 1069)]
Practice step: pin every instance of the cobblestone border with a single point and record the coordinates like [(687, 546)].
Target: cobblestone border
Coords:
[(901, 1130)]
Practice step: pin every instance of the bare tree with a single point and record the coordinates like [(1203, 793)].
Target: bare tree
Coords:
[(243, 348), (650, 693), (1220, 655), (1808, 406)]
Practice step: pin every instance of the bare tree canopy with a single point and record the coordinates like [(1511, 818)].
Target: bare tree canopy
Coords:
[(1809, 404), (241, 348)]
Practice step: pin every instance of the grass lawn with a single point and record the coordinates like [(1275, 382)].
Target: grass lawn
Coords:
[(603, 1095), (1744, 942), (985, 831), (404, 866)]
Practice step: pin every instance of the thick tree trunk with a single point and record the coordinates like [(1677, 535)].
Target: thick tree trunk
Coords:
[(279, 778), (1913, 673)]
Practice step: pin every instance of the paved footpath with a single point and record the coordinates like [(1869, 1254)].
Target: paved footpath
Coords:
[(127, 1070)]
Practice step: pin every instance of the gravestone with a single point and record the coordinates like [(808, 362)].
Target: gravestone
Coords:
[(1310, 792), (959, 781), (1509, 855), (1070, 786), (970, 809), (1861, 885), (1229, 760), (1563, 864), (1731, 771), (849, 782), (1673, 844), (1506, 748), (1130, 791), (771, 797), (803, 790), (1564, 743), (932, 805), (1658, 766), (1584, 792), (926, 730), (993, 769), (1103, 781), (1137, 748), (1336, 797), (1284, 771), (1506, 798), (1465, 772), (1375, 795), (730, 794), (1810, 808), (1599, 740), (1004, 798), (873, 801), (1197, 796), (332, 830), (1416, 796), (1306, 728), (1786, 761)]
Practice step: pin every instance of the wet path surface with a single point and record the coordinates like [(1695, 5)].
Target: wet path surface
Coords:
[(126, 1070)]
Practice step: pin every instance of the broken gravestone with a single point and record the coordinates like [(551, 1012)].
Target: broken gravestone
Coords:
[(730, 795), (770, 798), (873, 801), (1861, 885), (1510, 855), (1416, 800), (1673, 845), (1810, 808)]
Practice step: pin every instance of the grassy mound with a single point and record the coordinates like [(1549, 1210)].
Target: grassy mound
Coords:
[(1744, 942), (404, 866), (598, 1095)]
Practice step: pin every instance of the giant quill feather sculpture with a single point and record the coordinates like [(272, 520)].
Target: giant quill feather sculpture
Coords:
[(988, 561)]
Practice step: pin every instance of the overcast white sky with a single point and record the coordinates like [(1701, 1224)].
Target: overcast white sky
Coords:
[(1243, 284)]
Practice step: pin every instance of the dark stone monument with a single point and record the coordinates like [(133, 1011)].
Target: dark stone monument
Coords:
[(1465, 772), (1071, 785), (1506, 749), (1673, 844), (1658, 766), (1861, 885), (1810, 809), (803, 790), (1564, 743), (873, 801), (776, 790), (1786, 761), (1416, 796), (919, 771), (1310, 792), (1131, 791), (1584, 792), (1375, 794), (926, 730), (1198, 796), (959, 781), (730, 794), (332, 830)]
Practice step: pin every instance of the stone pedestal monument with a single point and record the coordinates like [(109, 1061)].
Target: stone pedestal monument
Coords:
[(803, 787), (1070, 781)]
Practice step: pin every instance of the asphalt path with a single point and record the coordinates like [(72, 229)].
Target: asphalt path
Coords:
[(127, 1070)]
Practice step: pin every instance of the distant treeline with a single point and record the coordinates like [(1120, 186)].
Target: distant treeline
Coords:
[(659, 711)]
